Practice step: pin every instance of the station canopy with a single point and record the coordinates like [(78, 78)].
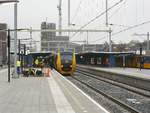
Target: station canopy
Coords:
[(7, 1)]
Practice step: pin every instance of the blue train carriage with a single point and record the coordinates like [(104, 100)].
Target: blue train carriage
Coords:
[(134, 61), (103, 59), (147, 62), (144, 60), (65, 62)]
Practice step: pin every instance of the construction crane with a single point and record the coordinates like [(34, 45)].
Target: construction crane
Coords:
[(60, 16)]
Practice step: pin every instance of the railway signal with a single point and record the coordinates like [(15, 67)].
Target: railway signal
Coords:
[(141, 60)]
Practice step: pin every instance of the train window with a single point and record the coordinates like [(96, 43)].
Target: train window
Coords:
[(99, 60), (92, 61), (66, 58), (146, 59)]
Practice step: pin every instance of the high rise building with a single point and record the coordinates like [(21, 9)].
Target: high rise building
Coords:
[(47, 37), (49, 40), (3, 44)]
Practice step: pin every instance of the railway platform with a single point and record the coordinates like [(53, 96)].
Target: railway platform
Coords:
[(131, 71), (52, 94), (128, 76), (135, 72)]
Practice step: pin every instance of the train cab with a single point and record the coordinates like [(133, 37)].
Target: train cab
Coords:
[(65, 63)]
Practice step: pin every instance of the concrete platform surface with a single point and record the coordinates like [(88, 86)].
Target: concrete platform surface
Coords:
[(143, 73), (53, 94)]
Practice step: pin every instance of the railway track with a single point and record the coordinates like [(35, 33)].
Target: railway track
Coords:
[(119, 84), (142, 83), (130, 99)]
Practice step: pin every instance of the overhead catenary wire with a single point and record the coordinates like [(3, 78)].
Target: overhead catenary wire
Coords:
[(117, 10), (131, 27), (99, 39), (76, 12), (56, 30), (101, 14), (119, 25), (113, 15), (126, 29)]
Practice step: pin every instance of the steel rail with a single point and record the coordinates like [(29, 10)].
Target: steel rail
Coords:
[(122, 104), (119, 84), (134, 81)]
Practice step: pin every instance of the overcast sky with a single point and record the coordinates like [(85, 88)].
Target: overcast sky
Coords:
[(130, 12)]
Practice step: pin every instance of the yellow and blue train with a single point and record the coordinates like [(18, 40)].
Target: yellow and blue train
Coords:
[(64, 62), (114, 59)]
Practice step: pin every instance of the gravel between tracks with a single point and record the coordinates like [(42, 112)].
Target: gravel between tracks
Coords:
[(109, 105), (138, 102)]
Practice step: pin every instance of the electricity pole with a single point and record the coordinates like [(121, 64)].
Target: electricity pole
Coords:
[(106, 12), (15, 39), (8, 45), (68, 22), (87, 37), (60, 16), (148, 47), (68, 12), (110, 44), (19, 49), (24, 54), (141, 60), (31, 39)]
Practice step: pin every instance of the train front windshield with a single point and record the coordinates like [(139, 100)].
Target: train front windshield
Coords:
[(66, 58)]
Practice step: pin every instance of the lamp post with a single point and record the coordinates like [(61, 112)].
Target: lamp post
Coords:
[(8, 45), (141, 60), (110, 43), (2, 2), (15, 39)]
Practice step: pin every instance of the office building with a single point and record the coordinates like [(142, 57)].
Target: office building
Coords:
[(3, 43)]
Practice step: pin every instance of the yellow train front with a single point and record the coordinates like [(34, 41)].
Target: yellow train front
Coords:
[(65, 63)]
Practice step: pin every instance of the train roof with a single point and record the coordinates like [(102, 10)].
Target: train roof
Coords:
[(66, 52), (40, 53), (130, 52)]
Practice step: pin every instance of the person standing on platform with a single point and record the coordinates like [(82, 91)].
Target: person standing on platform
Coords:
[(36, 62), (18, 67), (52, 62)]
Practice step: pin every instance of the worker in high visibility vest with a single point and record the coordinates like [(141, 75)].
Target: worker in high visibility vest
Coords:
[(36, 62), (18, 66)]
